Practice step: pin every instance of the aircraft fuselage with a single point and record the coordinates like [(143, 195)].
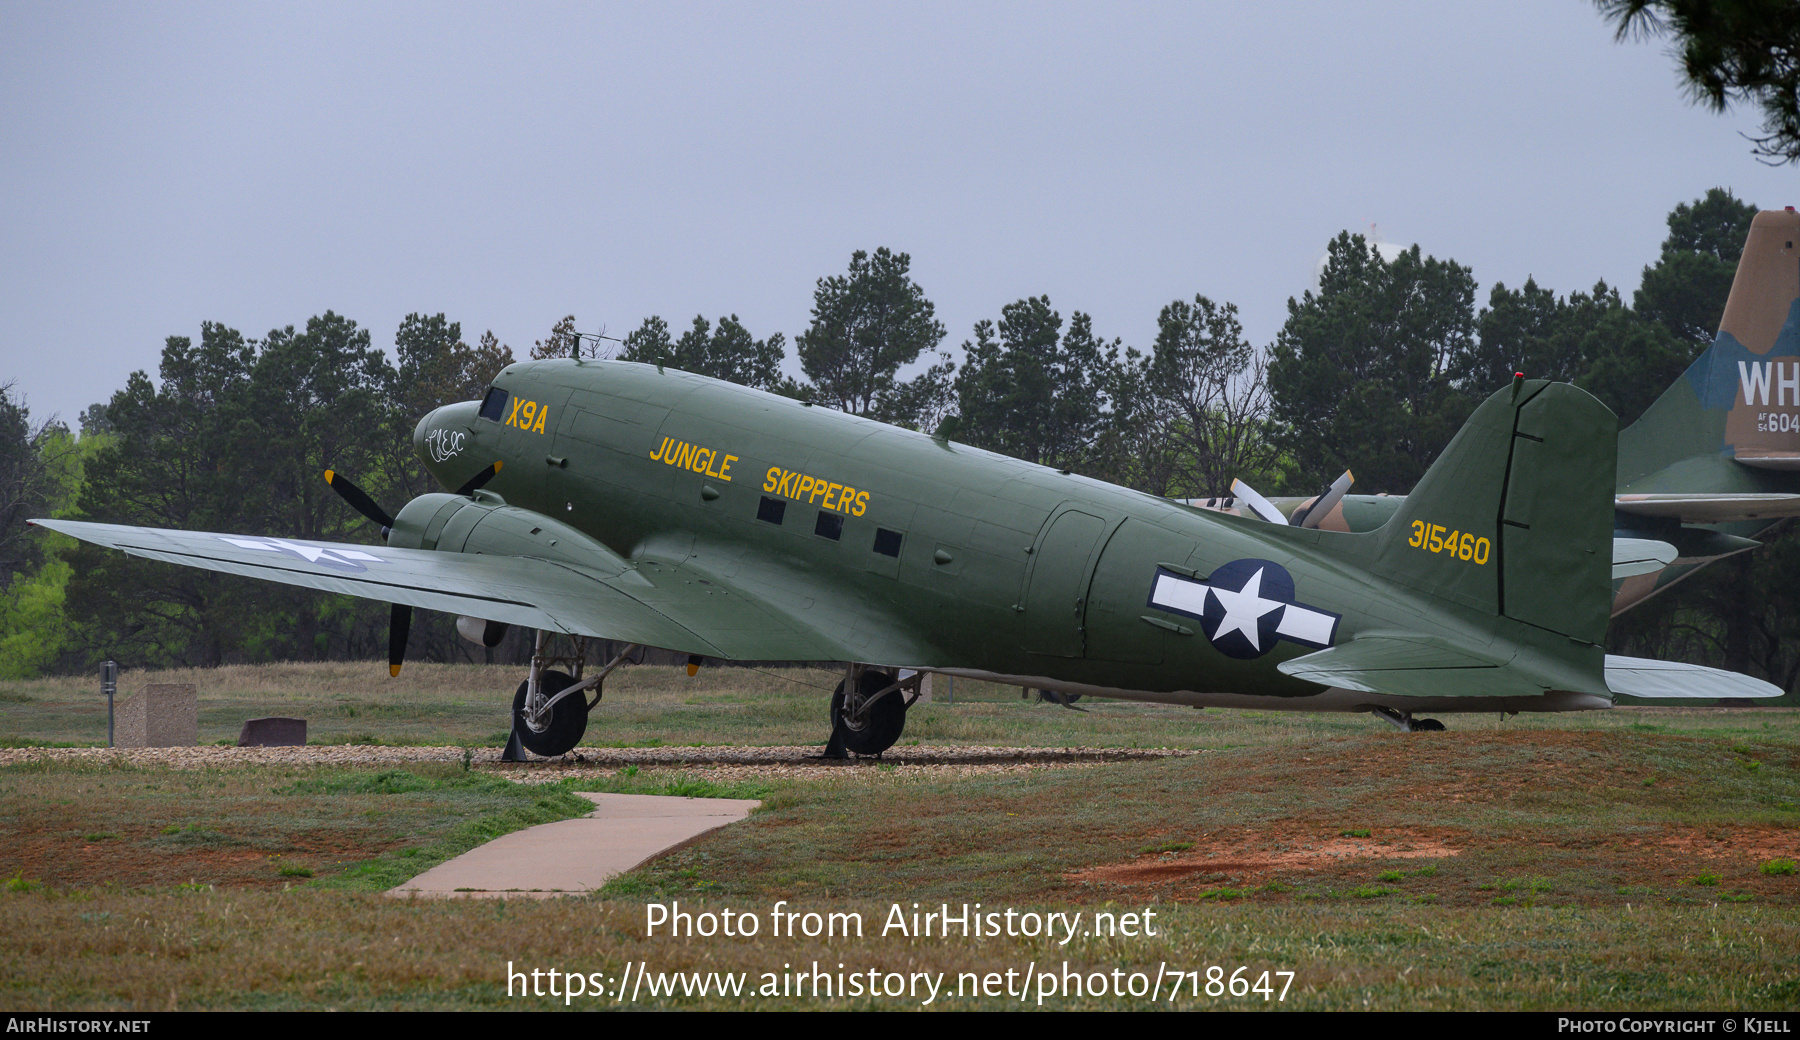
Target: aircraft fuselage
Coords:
[(920, 553)]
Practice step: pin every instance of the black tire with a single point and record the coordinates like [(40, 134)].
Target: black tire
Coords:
[(1427, 726), (886, 721), (568, 719)]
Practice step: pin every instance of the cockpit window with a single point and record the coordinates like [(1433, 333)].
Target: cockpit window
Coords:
[(494, 405)]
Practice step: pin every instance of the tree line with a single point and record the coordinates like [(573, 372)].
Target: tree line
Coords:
[(1373, 371)]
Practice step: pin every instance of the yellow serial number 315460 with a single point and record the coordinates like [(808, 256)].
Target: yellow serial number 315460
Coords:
[(1461, 545)]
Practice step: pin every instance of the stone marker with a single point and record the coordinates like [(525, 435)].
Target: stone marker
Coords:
[(273, 732), (163, 715)]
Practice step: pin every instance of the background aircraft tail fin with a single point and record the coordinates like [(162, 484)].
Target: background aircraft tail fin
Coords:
[(1739, 402), (1515, 518)]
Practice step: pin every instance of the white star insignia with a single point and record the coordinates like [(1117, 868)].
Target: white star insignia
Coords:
[(339, 556), (1243, 609)]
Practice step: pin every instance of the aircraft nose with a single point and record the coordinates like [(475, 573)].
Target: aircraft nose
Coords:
[(445, 433)]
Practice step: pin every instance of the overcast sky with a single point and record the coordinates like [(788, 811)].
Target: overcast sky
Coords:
[(506, 164)]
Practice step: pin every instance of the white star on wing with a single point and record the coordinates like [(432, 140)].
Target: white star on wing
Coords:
[(309, 553), (1243, 609)]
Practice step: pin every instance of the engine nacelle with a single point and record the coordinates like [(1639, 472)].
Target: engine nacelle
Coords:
[(484, 523), (480, 630)]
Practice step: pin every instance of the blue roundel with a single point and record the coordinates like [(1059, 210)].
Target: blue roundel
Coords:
[(1244, 608)]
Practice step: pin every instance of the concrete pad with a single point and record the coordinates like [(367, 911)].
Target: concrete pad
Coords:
[(573, 857)]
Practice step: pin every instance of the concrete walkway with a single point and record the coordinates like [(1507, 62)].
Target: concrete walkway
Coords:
[(571, 857)]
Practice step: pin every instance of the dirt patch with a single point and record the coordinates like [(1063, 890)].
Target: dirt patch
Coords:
[(1695, 863), (1743, 845), (1289, 848), (56, 851)]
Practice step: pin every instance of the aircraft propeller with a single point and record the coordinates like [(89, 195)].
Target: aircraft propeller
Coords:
[(474, 483), (360, 501), (1310, 516), (1259, 505), (399, 615), (1307, 516), (399, 626)]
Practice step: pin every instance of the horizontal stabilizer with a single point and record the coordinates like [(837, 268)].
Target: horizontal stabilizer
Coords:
[(1634, 556), (1710, 509), (1407, 666), (1641, 677), (1762, 458)]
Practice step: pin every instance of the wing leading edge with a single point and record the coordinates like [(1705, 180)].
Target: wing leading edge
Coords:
[(610, 600)]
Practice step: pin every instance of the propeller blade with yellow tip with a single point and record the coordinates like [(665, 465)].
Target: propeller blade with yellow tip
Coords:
[(474, 483), (359, 500), (399, 625)]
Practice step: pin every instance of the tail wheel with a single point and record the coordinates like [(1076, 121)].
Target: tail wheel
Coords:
[(880, 726), (567, 722)]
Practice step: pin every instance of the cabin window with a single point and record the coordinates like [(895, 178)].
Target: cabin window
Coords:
[(772, 510), (830, 525), (887, 542), (493, 406)]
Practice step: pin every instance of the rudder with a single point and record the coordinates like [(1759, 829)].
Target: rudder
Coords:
[(1515, 518)]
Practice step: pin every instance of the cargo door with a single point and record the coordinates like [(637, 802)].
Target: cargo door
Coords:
[(1055, 600)]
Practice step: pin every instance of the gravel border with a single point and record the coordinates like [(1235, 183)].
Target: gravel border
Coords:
[(594, 761)]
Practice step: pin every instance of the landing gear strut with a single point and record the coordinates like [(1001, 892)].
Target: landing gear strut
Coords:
[(550, 708), (1404, 720), (869, 721)]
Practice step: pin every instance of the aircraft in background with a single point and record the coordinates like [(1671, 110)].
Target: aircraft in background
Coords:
[(1711, 466), (657, 508)]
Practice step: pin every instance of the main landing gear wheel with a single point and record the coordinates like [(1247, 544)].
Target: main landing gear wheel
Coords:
[(1404, 721), (880, 726), (560, 732)]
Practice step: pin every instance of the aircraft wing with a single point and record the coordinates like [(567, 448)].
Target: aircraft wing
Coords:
[(609, 599), (1710, 509)]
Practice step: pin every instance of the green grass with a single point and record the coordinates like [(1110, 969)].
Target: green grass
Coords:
[(81, 825), (1524, 865)]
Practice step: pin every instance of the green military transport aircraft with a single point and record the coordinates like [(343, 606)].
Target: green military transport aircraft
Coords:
[(1712, 465), (650, 506)]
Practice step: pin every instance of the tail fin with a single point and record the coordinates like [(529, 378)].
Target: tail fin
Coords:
[(1515, 518), (1739, 402)]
